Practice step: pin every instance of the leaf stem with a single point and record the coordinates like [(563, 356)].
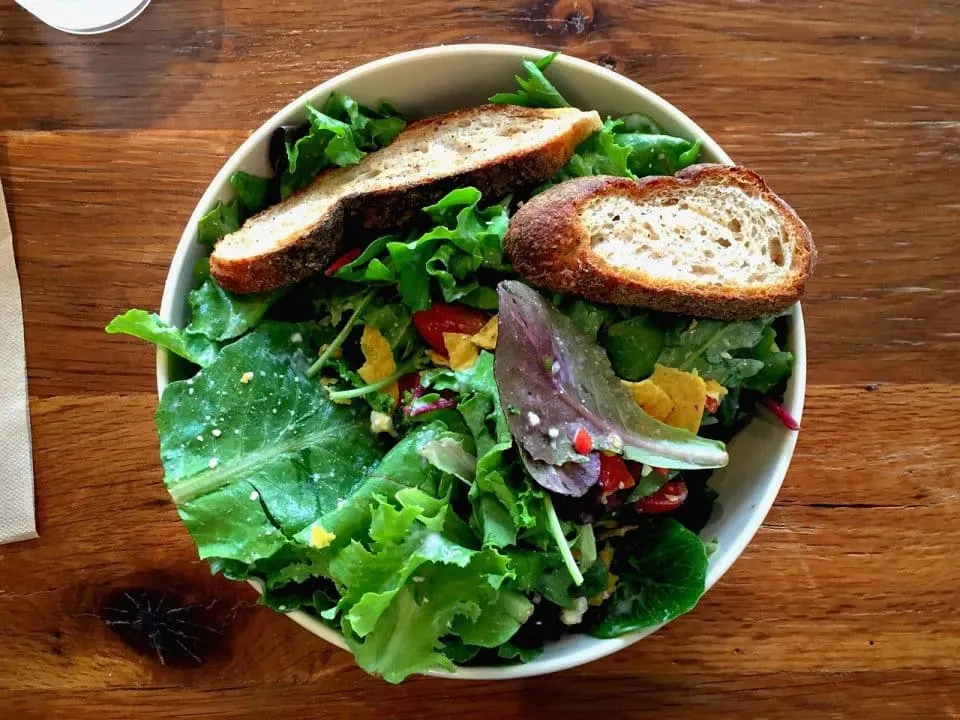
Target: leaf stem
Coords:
[(553, 523), (336, 395), (341, 336)]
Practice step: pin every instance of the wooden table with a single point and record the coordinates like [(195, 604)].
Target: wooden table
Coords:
[(845, 604)]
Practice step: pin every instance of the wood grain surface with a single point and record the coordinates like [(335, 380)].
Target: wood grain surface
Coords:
[(845, 604)]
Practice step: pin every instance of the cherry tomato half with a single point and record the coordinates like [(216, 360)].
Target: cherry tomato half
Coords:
[(447, 318)]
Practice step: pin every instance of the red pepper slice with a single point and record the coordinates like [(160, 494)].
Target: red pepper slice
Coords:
[(614, 474), (447, 318), (582, 441), (671, 496), (348, 257)]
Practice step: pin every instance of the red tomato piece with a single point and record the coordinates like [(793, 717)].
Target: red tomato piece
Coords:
[(447, 318), (711, 405), (671, 496), (614, 474), (348, 257), (582, 441)]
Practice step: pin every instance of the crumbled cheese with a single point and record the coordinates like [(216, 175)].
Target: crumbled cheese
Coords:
[(555, 368), (296, 338), (236, 431), (190, 391), (533, 418), (199, 438), (381, 422), (574, 615), (213, 463), (417, 579), (246, 377), (553, 433), (320, 537), (216, 432), (254, 496)]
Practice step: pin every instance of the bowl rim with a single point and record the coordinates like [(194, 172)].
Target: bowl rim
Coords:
[(793, 401)]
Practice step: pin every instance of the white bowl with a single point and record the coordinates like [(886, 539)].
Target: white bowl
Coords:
[(438, 79)]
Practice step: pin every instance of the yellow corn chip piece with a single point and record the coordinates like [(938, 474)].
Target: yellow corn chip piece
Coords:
[(689, 395), (654, 401), (320, 537), (438, 359), (378, 360), (461, 350), (486, 337), (715, 390)]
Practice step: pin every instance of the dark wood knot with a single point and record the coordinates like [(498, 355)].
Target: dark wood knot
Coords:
[(160, 623), (575, 16)]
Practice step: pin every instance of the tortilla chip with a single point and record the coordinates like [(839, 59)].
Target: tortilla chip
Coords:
[(486, 337), (461, 350), (438, 359), (689, 395), (378, 360), (715, 390), (649, 396)]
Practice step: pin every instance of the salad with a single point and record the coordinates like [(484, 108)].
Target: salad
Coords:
[(428, 455)]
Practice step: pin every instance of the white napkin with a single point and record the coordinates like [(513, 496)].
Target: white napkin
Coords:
[(17, 521)]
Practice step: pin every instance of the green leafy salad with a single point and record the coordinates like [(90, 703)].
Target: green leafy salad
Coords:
[(428, 455)]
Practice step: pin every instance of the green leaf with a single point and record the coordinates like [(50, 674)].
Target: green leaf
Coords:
[(588, 317), (662, 573), (534, 89), (634, 345), (340, 134), (220, 315), (252, 191), (242, 457), (498, 621), (657, 154), (396, 631), (222, 219), (708, 346), (777, 364), (148, 326)]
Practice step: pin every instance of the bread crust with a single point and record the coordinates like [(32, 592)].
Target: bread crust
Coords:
[(549, 247), (387, 208)]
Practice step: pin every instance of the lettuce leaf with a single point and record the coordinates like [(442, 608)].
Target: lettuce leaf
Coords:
[(553, 377), (534, 90), (465, 240)]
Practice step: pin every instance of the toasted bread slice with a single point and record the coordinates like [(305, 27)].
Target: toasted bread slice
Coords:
[(713, 241), (497, 148)]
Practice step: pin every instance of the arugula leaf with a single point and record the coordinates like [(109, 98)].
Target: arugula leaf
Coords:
[(220, 315), (662, 571), (707, 346), (148, 326), (558, 379), (534, 90), (220, 220), (251, 463)]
